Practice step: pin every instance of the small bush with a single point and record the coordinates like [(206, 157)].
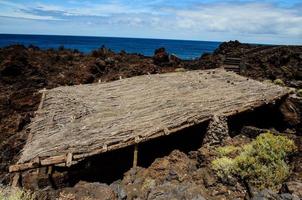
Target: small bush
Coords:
[(9, 193), (279, 82), (261, 163), (226, 150), (223, 166)]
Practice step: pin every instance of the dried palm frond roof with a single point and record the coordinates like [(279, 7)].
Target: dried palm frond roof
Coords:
[(84, 120)]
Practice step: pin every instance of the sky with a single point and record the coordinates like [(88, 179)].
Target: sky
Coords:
[(264, 21)]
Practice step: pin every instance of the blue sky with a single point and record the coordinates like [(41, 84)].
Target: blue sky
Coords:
[(265, 21)]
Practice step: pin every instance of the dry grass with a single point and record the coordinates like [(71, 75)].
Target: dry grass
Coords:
[(10, 193)]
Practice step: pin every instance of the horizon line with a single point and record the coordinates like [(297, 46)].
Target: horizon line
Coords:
[(149, 38)]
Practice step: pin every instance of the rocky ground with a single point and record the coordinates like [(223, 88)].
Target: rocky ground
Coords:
[(25, 70), (184, 176)]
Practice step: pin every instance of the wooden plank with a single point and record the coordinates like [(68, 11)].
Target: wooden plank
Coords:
[(22, 167), (53, 160)]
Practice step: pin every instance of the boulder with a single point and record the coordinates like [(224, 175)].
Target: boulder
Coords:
[(295, 188), (160, 56), (177, 192), (174, 59), (92, 191), (291, 110), (267, 194)]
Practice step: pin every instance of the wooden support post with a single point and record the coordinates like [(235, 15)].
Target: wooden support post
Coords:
[(49, 170), (135, 153), (16, 180)]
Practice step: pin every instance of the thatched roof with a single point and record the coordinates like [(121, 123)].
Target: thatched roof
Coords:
[(85, 120)]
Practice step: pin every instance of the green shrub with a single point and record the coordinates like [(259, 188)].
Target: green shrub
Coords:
[(223, 166), (9, 193), (299, 93), (261, 163), (279, 82), (226, 150)]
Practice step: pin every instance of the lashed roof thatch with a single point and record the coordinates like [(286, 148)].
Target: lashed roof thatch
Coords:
[(85, 120)]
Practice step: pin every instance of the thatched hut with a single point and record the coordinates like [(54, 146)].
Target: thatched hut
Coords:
[(77, 122)]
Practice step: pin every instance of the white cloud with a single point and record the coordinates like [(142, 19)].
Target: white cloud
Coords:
[(18, 10), (94, 9), (249, 18), (25, 15)]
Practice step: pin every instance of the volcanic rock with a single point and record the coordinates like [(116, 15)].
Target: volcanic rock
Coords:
[(93, 191), (161, 56)]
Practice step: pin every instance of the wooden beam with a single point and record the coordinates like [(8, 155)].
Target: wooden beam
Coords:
[(53, 160), (37, 163), (135, 154), (22, 167)]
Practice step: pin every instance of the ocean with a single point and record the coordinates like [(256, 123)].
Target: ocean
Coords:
[(182, 48)]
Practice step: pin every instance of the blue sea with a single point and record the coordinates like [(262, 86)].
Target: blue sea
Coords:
[(182, 48)]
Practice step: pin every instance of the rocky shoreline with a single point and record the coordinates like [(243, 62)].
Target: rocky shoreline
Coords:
[(25, 70)]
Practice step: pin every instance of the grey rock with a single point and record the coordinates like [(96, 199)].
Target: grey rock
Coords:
[(177, 192), (295, 188), (267, 194), (119, 190), (287, 196)]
